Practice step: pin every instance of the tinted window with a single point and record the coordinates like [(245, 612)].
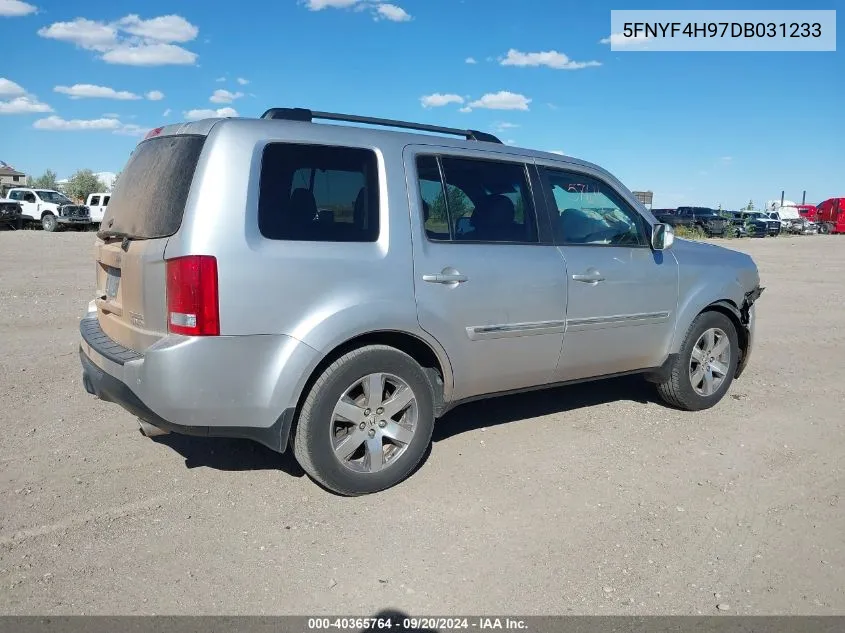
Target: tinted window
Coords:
[(591, 212), (106, 201), (318, 193), (150, 197), (477, 200), (95, 201)]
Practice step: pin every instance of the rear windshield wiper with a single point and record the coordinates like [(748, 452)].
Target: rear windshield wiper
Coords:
[(121, 234)]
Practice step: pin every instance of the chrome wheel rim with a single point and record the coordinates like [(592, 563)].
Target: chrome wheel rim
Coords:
[(374, 422), (709, 362)]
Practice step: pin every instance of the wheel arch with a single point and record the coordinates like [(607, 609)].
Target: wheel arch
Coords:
[(730, 310), (430, 356)]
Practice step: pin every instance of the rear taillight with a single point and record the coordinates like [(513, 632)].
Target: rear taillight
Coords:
[(192, 304)]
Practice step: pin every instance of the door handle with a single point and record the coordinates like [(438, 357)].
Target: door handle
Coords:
[(442, 278), (590, 277)]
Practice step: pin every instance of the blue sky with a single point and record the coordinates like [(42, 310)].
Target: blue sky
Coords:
[(84, 78)]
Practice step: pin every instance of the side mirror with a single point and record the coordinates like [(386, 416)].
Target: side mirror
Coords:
[(662, 237)]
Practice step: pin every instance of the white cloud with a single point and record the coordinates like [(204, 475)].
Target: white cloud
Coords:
[(108, 123), (167, 112), (506, 126), (15, 8), (130, 41), (727, 159), (131, 129), (111, 115), (319, 5), (23, 105), (242, 81), (165, 28), (224, 96), (380, 10), (618, 40), (90, 91), (9, 88), (391, 12), (57, 123), (196, 115), (87, 34), (220, 80), (470, 60), (551, 59), (155, 54), (438, 100), (155, 95), (502, 100)]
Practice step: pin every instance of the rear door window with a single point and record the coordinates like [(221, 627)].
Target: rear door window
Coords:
[(318, 193), (476, 200), (150, 197), (95, 201)]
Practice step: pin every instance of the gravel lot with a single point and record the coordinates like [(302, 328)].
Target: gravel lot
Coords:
[(590, 499)]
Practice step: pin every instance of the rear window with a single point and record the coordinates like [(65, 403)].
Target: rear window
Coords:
[(150, 196), (318, 193)]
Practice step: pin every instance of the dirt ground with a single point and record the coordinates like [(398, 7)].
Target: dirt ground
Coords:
[(590, 499)]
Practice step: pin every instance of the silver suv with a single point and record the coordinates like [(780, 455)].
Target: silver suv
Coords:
[(337, 288)]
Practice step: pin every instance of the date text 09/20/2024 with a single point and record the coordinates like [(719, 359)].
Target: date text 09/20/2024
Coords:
[(416, 623)]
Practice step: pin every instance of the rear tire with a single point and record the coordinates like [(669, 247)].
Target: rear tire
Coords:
[(49, 223), (354, 435), (700, 382), (824, 229)]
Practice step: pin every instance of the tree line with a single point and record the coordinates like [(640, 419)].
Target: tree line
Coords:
[(79, 186)]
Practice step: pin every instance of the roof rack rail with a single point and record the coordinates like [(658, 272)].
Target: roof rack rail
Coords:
[(303, 114)]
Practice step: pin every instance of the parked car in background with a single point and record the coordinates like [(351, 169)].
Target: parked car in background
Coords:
[(97, 203), (52, 209), (11, 214), (738, 226), (192, 327), (762, 222), (707, 219), (830, 216)]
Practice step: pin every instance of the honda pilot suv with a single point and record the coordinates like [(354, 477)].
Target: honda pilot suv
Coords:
[(336, 289)]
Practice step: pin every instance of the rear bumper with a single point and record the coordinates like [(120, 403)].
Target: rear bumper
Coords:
[(237, 386)]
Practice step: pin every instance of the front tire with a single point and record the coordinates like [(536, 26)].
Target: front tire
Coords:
[(49, 223), (366, 422), (703, 370)]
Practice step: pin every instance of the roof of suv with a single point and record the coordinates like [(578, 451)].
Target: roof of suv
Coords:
[(277, 126)]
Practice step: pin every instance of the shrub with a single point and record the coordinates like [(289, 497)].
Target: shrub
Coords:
[(690, 232)]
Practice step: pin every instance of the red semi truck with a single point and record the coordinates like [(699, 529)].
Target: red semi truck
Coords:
[(830, 215)]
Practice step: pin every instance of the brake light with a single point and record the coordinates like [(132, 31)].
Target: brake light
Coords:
[(154, 132), (192, 302)]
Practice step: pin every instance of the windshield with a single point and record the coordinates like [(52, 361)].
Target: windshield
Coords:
[(149, 199), (53, 196)]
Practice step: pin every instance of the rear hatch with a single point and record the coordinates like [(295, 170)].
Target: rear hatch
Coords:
[(145, 209)]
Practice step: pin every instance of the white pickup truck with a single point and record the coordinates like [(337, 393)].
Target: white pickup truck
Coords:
[(97, 203), (53, 210)]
